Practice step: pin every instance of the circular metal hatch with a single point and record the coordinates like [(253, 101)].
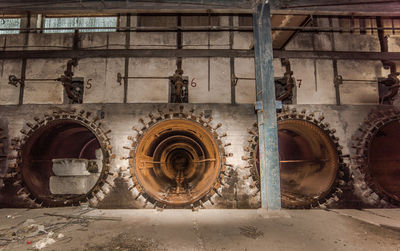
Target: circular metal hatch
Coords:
[(177, 163), (384, 159), (376, 160), (310, 162), (62, 136)]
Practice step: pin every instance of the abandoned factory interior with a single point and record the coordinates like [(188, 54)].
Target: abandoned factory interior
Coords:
[(199, 125)]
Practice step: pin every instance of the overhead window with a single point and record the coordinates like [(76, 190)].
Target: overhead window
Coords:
[(70, 23), (10, 23)]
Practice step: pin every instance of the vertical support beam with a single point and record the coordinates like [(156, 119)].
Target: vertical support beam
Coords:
[(232, 63), (26, 23), (127, 46), (336, 81), (266, 108)]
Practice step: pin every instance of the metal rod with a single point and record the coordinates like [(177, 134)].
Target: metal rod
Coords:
[(360, 80), (22, 83), (41, 79), (239, 78), (147, 77)]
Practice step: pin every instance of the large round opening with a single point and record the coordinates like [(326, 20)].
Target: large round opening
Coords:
[(177, 162), (384, 159), (308, 163), (61, 162)]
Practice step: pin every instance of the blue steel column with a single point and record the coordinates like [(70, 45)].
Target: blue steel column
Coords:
[(266, 108)]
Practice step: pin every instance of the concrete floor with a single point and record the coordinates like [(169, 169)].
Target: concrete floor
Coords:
[(22, 229)]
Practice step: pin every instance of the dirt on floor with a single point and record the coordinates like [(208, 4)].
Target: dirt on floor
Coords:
[(94, 229)]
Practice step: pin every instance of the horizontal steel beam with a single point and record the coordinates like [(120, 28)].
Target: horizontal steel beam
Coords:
[(188, 53), (116, 5), (132, 6)]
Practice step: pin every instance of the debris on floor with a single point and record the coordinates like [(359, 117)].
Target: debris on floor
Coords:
[(45, 241), (127, 242), (251, 232), (41, 230)]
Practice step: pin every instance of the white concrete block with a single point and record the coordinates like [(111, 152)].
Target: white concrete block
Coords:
[(301, 41), (359, 93), (103, 40), (323, 42), (244, 68), (14, 42), (50, 41), (354, 42), (102, 73), (304, 71), (325, 93), (361, 70), (153, 40), (148, 91), (220, 82), (45, 92), (246, 92), (199, 40), (72, 184), (70, 167), (152, 67), (394, 43), (243, 40)]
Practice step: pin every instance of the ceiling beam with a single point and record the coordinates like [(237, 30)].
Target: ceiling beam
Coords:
[(362, 6), (140, 53), (333, 7)]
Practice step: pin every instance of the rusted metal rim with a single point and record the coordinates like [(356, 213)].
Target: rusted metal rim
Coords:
[(310, 160), (177, 161), (377, 156), (60, 135)]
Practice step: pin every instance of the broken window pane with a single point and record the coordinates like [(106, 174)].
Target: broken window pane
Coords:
[(10, 23), (75, 22)]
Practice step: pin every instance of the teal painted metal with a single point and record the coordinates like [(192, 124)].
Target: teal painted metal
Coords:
[(267, 124)]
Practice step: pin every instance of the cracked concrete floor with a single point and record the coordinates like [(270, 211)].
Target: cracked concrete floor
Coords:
[(94, 229)]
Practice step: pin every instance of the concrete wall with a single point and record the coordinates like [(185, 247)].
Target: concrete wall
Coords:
[(235, 119), (211, 75), (211, 78)]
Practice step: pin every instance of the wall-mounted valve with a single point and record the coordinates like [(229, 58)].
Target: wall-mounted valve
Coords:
[(179, 91), (285, 86)]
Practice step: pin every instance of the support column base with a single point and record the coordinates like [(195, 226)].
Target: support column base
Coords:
[(269, 214)]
